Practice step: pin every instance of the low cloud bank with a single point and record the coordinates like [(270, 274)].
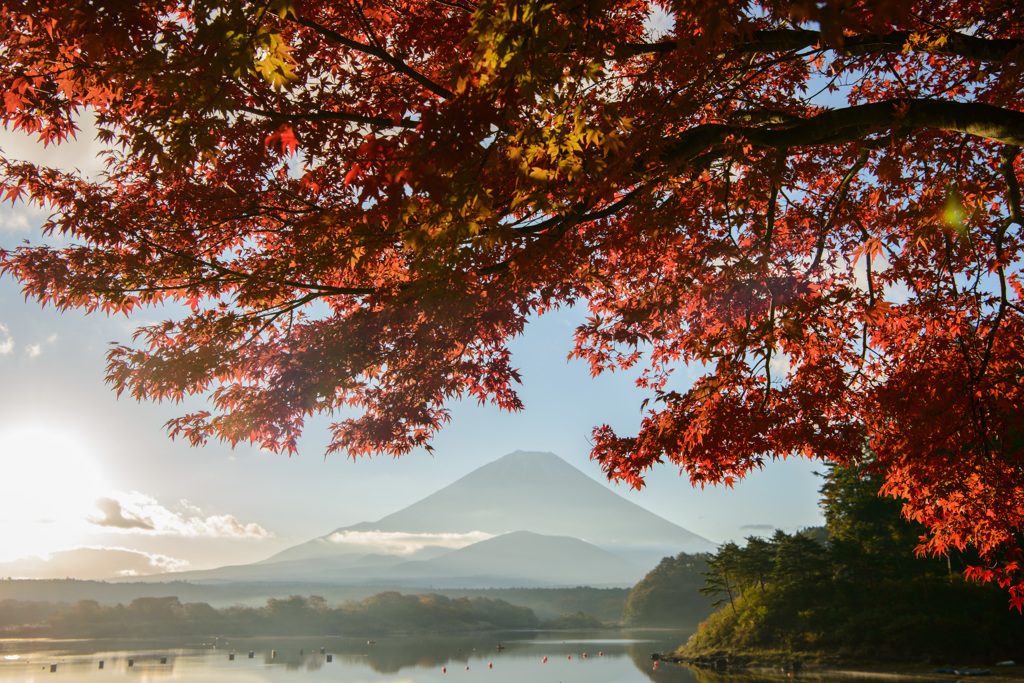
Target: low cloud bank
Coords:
[(403, 543), (91, 563)]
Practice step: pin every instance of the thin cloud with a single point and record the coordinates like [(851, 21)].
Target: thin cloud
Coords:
[(6, 340), (780, 365), (402, 543), (92, 563), (223, 526), (138, 513), (757, 527), (12, 221), (80, 153)]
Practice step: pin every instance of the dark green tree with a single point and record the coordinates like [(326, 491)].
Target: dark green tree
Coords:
[(869, 539), (799, 559), (723, 575), (757, 561)]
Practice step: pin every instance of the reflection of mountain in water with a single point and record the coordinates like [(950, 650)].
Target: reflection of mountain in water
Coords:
[(522, 654), (391, 655)]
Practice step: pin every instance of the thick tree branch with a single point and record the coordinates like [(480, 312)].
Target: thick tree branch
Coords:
[(576, 215), (839, 126), (565, 221), (785, 40)]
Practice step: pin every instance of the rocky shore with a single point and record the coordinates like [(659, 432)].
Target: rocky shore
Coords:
[(817, 667)]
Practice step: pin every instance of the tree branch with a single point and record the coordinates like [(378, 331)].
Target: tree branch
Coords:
[(320, 115), (1009, 156), (383, 55), (840, 196), (240, 276), (784, 40), (839, 126)]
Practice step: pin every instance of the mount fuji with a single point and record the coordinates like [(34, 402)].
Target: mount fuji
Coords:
[(525, 520)]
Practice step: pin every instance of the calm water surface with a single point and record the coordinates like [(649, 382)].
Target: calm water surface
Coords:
[(583, 657)]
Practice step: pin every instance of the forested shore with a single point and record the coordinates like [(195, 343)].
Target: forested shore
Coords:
[(547, 603), (854, 590)]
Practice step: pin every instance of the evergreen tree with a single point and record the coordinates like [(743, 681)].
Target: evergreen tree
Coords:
[(723, 575), (869, 539), (757, 561), (799, 560)]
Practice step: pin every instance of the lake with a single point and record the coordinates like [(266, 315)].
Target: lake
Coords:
[(526, 657)]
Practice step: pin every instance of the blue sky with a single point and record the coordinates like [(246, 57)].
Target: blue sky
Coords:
[(80, 465)]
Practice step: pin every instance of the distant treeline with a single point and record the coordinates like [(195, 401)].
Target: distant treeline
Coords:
[(385, 613), (669, 596), (547, 603)]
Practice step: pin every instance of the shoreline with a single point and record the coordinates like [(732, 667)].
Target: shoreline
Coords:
[(1001, 674), (811, 666)]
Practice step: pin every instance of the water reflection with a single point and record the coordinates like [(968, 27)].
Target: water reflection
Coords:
[(591, 657)]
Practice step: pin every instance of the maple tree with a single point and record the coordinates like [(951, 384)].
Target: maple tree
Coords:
[(362, 202)]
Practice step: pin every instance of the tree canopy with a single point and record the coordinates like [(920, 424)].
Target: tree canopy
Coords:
[(669, 595), (362, 202)]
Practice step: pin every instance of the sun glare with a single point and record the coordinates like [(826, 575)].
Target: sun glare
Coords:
[(49, 481)]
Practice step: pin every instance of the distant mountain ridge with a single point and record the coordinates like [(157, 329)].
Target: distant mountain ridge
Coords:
[(523, 558), (526, 519), (530, 491)]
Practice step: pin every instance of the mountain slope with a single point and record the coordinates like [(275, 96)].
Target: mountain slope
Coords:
[(527, 519), (523, 558), (537, 492), (517, 559)]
